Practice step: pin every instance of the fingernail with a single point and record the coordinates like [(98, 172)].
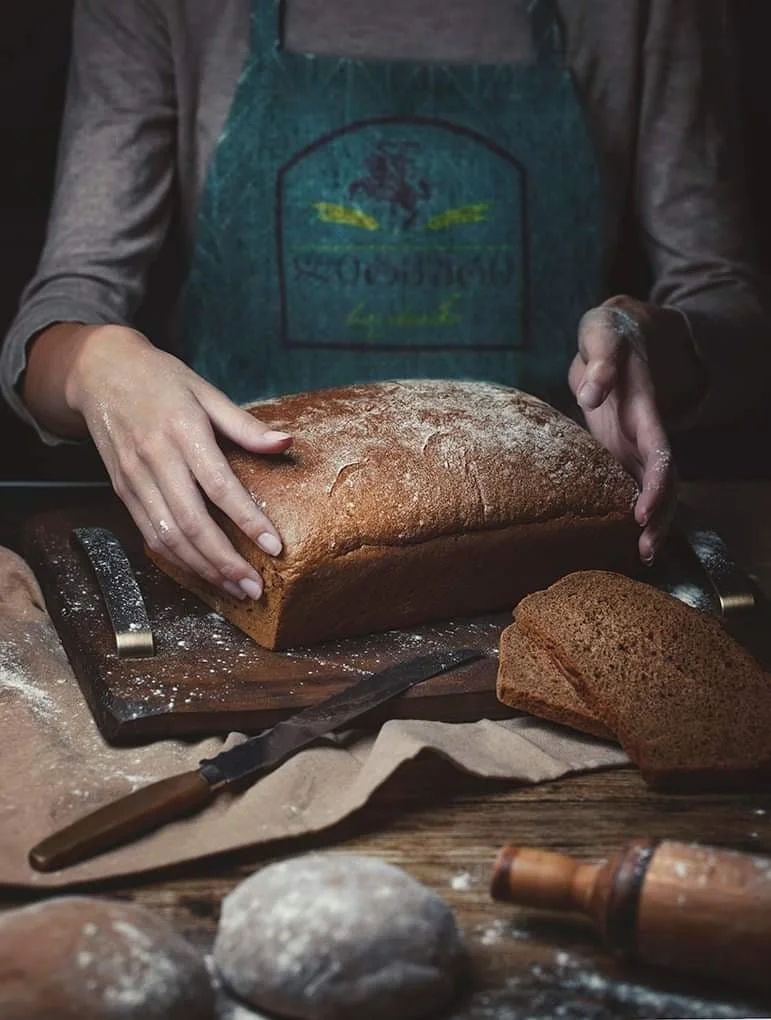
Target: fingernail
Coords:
[(269, 544), (649, 560), (234, 590), (251, 588), (589, 395), (276, 437)]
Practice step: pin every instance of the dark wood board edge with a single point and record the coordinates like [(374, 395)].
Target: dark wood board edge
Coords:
[(466, 695), (463, 707), (106, 720)]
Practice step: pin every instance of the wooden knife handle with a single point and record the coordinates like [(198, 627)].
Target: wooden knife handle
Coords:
[(123, 821)]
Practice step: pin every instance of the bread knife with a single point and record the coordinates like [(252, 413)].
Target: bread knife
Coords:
[(187, 793), (120, 591)]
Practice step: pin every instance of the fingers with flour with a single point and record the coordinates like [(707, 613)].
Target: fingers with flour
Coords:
[(153, 537), (611, 380), (658, 492), (153, 420), (214, 474)]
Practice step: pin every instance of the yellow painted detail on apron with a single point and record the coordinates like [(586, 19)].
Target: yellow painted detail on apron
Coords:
[(329, 212), (476, 213)]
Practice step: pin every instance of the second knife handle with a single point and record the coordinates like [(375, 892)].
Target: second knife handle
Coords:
[(123, 821)]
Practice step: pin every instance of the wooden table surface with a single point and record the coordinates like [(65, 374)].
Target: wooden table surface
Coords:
[(445, 829)]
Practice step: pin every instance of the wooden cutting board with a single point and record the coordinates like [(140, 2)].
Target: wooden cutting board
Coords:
[(207, 676)]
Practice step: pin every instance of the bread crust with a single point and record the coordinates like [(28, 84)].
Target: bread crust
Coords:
[(400, 503)]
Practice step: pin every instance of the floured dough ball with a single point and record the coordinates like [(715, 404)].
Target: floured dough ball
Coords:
[(81, 958), (338, 936)]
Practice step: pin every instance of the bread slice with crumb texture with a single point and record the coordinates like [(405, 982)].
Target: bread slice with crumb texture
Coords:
[(688, 704), (530, 681)]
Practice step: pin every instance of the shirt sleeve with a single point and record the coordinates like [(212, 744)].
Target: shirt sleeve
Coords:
[(689, 192), (115, 174)]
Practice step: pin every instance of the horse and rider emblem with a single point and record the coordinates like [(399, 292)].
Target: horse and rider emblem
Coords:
[(392, 179), (408, 233), (392, 182)]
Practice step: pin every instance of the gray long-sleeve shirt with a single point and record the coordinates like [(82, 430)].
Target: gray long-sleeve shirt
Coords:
[(151, 84)]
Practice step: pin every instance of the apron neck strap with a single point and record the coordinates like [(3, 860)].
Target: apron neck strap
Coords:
[(267, 25), (545, 24), (547, 29)]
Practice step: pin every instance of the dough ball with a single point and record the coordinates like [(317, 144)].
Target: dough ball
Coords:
[(331, 935), (81, 958)]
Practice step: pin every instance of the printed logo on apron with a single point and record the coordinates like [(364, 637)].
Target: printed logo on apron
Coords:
[(368, 220), (424, 244)]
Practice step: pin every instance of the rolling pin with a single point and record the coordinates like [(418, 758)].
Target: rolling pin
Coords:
[(695, 909)]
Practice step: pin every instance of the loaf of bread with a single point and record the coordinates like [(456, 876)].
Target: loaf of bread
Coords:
[(405, 502), (687, 703)]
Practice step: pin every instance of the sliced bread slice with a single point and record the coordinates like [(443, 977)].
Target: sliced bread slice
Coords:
[(530, 681), (688, 704)]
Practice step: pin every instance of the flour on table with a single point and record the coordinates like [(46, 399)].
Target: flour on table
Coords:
[(14, 680), (571, 975), (462, 882)]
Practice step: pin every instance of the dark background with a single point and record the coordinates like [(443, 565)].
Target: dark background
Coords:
[(34, 45)]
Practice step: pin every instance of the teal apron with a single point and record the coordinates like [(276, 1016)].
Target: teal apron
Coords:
[(365, 220)]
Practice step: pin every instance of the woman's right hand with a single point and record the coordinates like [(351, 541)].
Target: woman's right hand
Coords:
[(154, 422)]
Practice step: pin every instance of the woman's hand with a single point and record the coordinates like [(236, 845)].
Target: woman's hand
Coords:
[(622, 381), (154, 422)]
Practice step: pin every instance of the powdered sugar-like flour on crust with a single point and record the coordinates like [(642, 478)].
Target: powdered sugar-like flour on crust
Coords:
[(461, 423), (404, 461)]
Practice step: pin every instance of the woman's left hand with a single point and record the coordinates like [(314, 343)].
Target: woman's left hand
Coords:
[(612, 380)]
